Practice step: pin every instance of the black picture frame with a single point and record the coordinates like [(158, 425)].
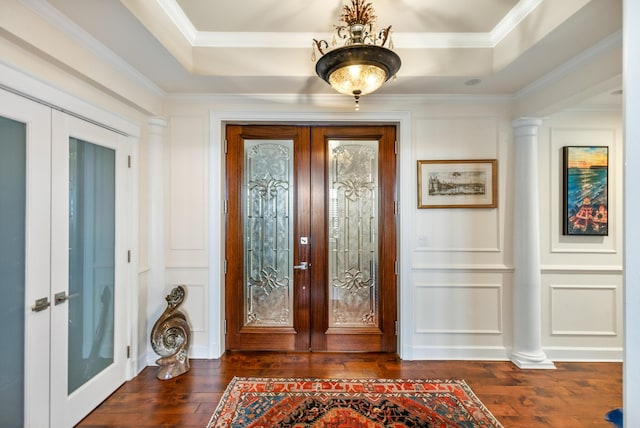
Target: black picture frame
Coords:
[(585, 195)]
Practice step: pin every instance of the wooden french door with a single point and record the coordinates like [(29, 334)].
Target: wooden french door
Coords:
[(310, 238)]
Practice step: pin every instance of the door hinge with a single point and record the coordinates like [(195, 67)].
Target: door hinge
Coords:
[(129, 161), (225, 326), (395, 327), (225, 266), (128, 352), (395, 207), (395, 147), (128, 256), (225, 146), (226, 206), (395, 267)]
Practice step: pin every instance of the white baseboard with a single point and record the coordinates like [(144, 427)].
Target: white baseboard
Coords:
[(584, 354), (497, 353), (487, 353)]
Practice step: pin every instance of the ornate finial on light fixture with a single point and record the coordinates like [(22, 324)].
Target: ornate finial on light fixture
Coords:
[(362, 64)]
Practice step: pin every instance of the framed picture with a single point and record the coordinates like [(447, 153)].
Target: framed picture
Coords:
[(585, 190), (457, 183)]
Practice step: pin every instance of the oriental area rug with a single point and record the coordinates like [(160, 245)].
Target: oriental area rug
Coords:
[(352, 403)]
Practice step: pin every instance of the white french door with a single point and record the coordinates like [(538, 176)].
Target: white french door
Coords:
[(88, 317), (63, 232), (25, 228)]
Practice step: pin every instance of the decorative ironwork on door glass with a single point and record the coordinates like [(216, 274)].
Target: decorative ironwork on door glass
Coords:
[(268, 226), (353, 229)]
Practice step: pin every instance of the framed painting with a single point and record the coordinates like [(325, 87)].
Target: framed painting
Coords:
[(457, 183), (585, 190)]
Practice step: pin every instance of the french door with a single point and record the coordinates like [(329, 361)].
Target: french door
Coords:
[(310, 238), (62, 264)]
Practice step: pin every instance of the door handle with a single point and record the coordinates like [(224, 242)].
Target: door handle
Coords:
[(62, 297), (302, 266), (41, 304)]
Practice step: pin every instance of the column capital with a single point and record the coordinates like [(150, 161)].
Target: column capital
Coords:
[(157, 124), (157, 121), (524, 126)]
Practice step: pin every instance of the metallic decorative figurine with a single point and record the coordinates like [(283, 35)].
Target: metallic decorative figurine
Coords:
[(170, 337)]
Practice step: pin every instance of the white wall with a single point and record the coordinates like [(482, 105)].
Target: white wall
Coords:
[(456, 264), (581, 275), (631, 375), (456, 271)]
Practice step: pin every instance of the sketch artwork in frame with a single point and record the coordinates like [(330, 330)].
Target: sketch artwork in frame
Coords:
[(457, 183), (585, 190)]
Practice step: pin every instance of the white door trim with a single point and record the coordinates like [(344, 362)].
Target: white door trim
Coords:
[(218, 120)]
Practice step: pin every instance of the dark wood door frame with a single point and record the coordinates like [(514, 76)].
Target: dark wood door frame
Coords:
[(311, 327)]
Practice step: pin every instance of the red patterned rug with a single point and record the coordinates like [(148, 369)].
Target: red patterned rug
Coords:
[(352, 403)]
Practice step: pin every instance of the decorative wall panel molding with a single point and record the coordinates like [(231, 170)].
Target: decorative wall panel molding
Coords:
[(584, 310), (582, 269), (458, 309), (560, 137), (480, 268), (188, 187)]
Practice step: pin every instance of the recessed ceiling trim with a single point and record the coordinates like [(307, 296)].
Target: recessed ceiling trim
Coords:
[(441, 40), (578, 62), (213, 39), (512, 19), (407, 40), (63, 24), (301, 40), (178, 17)]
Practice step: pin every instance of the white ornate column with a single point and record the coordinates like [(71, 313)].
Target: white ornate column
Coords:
[(156, 228), (527, 350)]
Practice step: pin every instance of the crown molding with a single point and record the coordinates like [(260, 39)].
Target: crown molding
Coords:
[(402, 40), (512, 19), (605, 45), (63, 24), (180, 20)]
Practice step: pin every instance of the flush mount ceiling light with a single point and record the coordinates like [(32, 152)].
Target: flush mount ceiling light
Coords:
[(362, 64)]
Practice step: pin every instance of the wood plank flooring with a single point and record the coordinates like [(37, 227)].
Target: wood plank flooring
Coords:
[(574, 395)]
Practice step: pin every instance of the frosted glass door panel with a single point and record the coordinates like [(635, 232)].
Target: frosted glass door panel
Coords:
[(268, 224), (12, 270), (89, 266), (353, 227), (91, 260)]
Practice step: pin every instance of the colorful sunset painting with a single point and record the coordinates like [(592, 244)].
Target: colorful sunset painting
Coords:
[(586, 171)]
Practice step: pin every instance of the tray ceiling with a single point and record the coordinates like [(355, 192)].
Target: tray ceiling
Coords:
[(264, 46)]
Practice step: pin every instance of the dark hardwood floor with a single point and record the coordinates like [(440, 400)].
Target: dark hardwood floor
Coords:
[(574, 395)]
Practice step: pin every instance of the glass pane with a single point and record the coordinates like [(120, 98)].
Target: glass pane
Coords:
[(12, 270), (91, 260), (353, 227), (268, 227)]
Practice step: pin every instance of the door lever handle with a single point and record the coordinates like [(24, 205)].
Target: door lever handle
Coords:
[(302, 266), (41, 304), (62, 297)]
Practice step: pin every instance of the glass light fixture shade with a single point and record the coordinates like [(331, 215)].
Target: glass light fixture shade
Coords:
[(354, 68), (357, 79)]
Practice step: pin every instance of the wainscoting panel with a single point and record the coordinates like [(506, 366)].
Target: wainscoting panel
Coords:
[(458, 308), (582, 315), (584, 310), (187, 198), (195, 306)]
